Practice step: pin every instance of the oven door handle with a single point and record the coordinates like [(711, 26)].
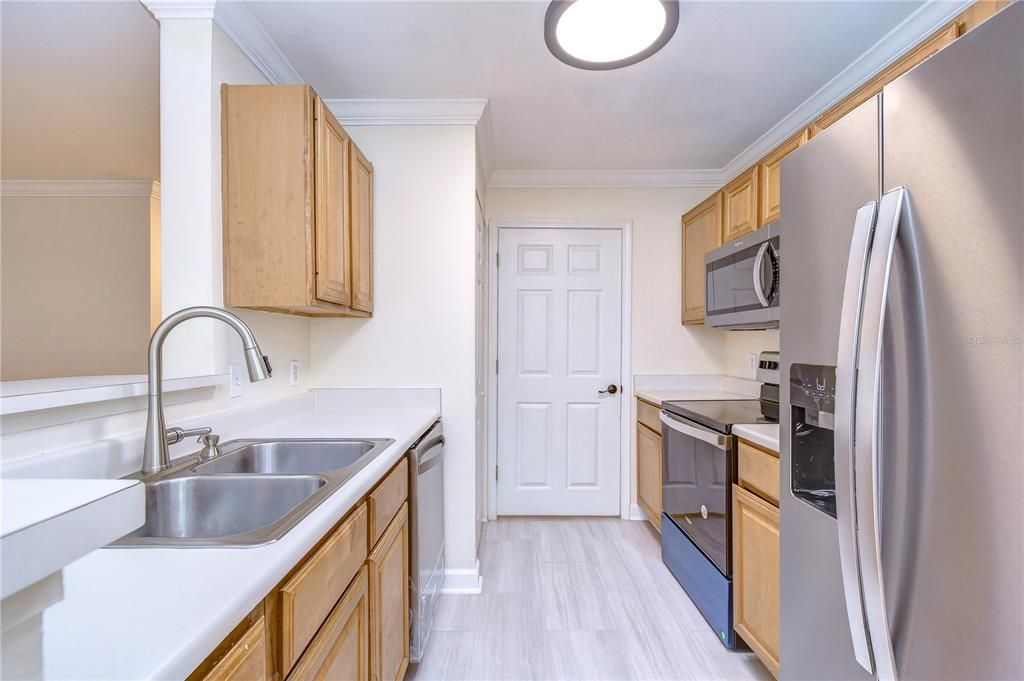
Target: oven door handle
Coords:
[(710, 437)]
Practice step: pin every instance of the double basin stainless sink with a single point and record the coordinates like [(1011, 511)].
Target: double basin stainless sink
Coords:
[(252, 494)]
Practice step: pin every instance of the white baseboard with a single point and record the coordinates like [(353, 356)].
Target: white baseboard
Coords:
[(463, 581), (636, 513)]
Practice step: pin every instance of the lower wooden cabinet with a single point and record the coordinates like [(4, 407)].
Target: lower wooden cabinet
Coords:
[(755, 564), (648, 472), (342, 612), (246, 660), (388, 566), (340, 650)]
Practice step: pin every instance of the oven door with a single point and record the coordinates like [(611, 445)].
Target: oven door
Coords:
[(696, 491), (741, 286)]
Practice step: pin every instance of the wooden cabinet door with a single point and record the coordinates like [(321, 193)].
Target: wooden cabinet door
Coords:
[(771, 167), (755, 552), (246, 660), (333, 276), (702, 231), (362, 231), (340, 651), (648, 472), (739, 209), (389, 601)]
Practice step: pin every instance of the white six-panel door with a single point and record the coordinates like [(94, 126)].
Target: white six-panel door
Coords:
[(559, 346)]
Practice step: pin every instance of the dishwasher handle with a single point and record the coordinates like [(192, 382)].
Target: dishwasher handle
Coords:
[(427, 451)]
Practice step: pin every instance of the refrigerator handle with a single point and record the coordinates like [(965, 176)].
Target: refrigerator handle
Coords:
[(892, 211), (846, 502)]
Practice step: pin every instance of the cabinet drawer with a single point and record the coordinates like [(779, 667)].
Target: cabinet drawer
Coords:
[(246, 660), (649, 415), (341, 649), (759, 471), (387, 497), (308, 597)]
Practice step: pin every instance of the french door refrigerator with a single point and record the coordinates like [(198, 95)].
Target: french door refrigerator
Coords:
[(902, 529)]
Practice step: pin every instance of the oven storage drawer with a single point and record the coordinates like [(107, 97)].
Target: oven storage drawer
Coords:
[(708, 588)]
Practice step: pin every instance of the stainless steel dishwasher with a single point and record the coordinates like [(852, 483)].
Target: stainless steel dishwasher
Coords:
[(426, 573)]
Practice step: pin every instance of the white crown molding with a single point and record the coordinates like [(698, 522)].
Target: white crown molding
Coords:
[(354, 112), (180, 9), (606, 178), (64, 188), (235, 19), (929, 18)]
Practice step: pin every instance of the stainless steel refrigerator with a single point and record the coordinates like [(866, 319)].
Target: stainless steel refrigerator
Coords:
[(902, 518)]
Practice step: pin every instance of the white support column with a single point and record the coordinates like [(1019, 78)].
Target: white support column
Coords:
[(188, 167)]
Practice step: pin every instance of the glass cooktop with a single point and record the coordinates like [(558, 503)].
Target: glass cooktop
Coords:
[(719, 415)]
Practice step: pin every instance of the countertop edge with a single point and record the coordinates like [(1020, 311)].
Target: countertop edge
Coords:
[(264, 566)]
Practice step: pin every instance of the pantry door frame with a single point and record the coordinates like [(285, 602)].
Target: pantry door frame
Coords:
[(626, 412)]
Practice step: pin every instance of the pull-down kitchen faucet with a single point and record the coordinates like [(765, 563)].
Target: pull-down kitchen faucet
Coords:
[(156, 456)]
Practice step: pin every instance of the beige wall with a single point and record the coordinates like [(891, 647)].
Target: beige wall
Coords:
[(422, 330), (75, 286), (281, 337)]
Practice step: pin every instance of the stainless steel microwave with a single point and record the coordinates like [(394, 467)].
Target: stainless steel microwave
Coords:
[(741, 281)]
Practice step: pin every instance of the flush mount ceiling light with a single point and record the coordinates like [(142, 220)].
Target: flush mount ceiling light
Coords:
[(608, 34)]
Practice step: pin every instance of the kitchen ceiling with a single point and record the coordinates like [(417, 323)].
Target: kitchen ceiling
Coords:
[(732, 71)]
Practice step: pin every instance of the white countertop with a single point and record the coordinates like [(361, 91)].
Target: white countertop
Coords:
[(656, 396), (658, 388), (764, 434), (46, 524), (138, 613)]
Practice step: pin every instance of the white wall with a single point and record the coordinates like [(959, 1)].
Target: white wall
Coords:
[(281, 337), (422, 330), (68, 315)]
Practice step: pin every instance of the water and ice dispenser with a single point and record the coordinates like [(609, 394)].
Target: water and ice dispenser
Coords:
[(812, 390)]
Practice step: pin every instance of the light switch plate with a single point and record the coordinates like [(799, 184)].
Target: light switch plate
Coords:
[(234, 380), (293, 372)]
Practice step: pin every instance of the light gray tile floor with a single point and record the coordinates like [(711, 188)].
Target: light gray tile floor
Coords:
[(584, 599)]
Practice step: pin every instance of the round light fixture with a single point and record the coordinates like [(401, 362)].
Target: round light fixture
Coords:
[(608, 34)]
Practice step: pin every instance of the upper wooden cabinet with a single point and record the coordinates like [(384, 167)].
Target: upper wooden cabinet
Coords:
[(702, 231), (770, 171), (362, 231), (297, 206), (739, 205)]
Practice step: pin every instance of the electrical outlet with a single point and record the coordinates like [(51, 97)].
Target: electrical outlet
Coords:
[(293, 372), (752, 362), (234, 380)]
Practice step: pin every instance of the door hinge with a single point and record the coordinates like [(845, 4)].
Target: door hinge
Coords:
[(495, 472), (495, 366), (497, 259)]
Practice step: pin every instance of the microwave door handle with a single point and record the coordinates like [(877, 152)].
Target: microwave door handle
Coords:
[(846, 502), (868, 455), (759, 273), (713, 439)]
